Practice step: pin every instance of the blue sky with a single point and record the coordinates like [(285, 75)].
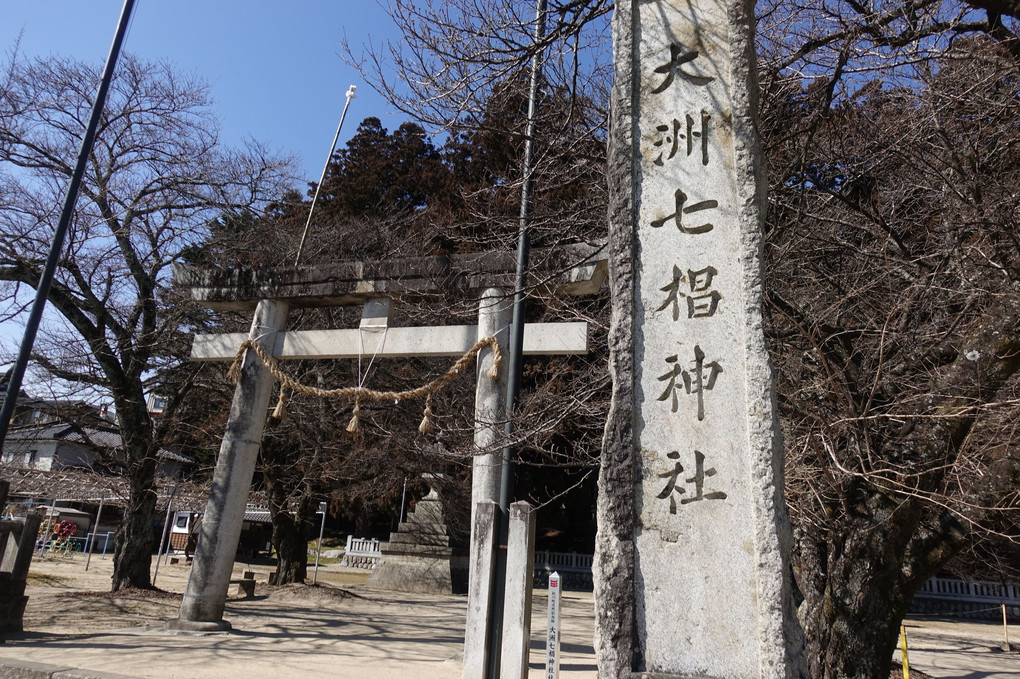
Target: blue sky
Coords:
[(274, 68)]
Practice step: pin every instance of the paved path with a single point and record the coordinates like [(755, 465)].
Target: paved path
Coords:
[(960, 650), (381, 635)]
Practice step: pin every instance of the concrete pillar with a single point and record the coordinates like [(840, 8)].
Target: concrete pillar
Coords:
[(483, 557), (206, 592), (520, 575), (494, 309)]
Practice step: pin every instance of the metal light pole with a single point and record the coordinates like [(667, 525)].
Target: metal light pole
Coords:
[(166, 533), (403, 497), (99, 512), (42, 290), (322, 177), (318, 547), (507, 471)]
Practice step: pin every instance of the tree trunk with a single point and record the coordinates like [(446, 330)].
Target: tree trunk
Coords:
[(852, 634), (289, 538), (134, 543), (291, 551), (856, 593)]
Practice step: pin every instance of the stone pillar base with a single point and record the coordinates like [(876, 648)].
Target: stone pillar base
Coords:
[(12, 613), (421, 569), (206, 626)]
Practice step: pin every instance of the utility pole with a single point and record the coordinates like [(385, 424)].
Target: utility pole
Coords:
[(17, 374), (507, 470)]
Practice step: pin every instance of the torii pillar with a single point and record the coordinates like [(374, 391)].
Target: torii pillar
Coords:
[(206, 592)]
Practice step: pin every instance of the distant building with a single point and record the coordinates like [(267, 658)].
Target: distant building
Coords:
[(49, 435), (62, 445), (155, 405)]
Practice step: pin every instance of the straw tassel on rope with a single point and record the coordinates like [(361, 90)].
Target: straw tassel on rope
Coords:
[(426, 426), (354, 427), (280, 411)]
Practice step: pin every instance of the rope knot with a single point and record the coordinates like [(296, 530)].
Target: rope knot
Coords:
[(497, 359), (234, 373)]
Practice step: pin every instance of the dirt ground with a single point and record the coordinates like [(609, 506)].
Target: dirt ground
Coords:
[(64, 598), (340, 628), (344, 629)]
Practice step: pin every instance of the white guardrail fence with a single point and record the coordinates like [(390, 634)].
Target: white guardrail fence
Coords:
[(574, 568), (967, 598), (971, 590), (946, 596)]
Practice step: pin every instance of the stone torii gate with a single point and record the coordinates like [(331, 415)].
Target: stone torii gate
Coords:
[(575, 270)]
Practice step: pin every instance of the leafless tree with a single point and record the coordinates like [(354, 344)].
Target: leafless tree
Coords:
[(157, 176), (892, 290), (891, 274), (452, 56)]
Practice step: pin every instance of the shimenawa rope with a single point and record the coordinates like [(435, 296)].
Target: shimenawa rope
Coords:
[(287, 382)]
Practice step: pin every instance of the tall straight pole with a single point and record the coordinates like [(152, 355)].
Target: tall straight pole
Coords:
[(46, 279), (166, 533), (95, 531), (318, 546), (322, 177), (507, 471), (403, 497)]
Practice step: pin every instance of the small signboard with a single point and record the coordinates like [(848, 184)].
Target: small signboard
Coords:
[(552, 638)]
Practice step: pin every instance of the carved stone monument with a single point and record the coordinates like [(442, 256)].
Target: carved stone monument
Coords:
[(418, 556), (690, 575)]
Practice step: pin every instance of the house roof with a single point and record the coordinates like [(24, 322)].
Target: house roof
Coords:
[(54, 406), (257, 514), (86, 436), (174, 456), (79, 485)]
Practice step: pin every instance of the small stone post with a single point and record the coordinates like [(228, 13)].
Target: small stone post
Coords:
[(690, 572), (520, 577), (12, 581), (483, 556), (206, 591)]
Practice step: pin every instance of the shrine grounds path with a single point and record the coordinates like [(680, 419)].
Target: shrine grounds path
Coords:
[(75, 629), (340, 629)]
